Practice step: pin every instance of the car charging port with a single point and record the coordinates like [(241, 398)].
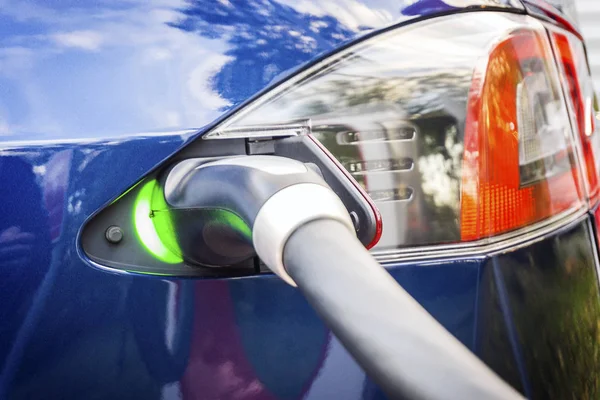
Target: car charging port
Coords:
[(301, 230)]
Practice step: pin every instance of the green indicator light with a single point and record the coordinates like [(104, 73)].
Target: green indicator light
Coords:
[(162, 221), (150, 273), (234, 222), (154, 230)]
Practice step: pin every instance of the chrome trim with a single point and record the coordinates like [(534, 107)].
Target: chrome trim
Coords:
[(409, 198), (261, 131), (376, 141), (382, 172), (487, 247)]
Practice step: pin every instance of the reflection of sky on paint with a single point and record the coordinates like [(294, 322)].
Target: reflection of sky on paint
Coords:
[(103, 69)]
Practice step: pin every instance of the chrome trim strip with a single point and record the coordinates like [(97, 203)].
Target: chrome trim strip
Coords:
[(487, 247), (261, 131), (382, 172)]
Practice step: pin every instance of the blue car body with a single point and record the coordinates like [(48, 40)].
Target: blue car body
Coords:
[(94, 95)]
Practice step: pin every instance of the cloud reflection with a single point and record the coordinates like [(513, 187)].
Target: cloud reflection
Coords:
[(104, 69)]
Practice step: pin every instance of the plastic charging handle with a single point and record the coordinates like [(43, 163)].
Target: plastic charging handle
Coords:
[(287, 210)]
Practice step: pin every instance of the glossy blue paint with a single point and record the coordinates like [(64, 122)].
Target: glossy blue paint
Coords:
[(72, 331), (81, 85), (79, 332)]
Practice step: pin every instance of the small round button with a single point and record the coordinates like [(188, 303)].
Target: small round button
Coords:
[(114, 234)]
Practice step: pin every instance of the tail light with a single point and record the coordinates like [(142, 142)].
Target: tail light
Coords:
[(519, 161), (581, 98), (457, 127)]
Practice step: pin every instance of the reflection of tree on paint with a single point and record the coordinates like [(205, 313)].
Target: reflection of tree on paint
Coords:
[(266, 39), (551, 292), (554, 300)]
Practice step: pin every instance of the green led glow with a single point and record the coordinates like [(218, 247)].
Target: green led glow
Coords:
[(150, 273), (234, 221), (162, 221), (155, 230)]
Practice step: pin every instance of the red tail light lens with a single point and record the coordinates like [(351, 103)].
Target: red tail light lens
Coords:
[(519, 165), (578, 83)]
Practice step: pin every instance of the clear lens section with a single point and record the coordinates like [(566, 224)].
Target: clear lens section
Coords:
[(543, 124), (393, 110)]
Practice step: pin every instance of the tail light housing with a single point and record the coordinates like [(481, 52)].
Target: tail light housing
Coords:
[(519, 162), (457, 127)]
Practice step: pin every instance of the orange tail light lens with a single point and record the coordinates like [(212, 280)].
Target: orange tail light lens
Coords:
[(519, 163)]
